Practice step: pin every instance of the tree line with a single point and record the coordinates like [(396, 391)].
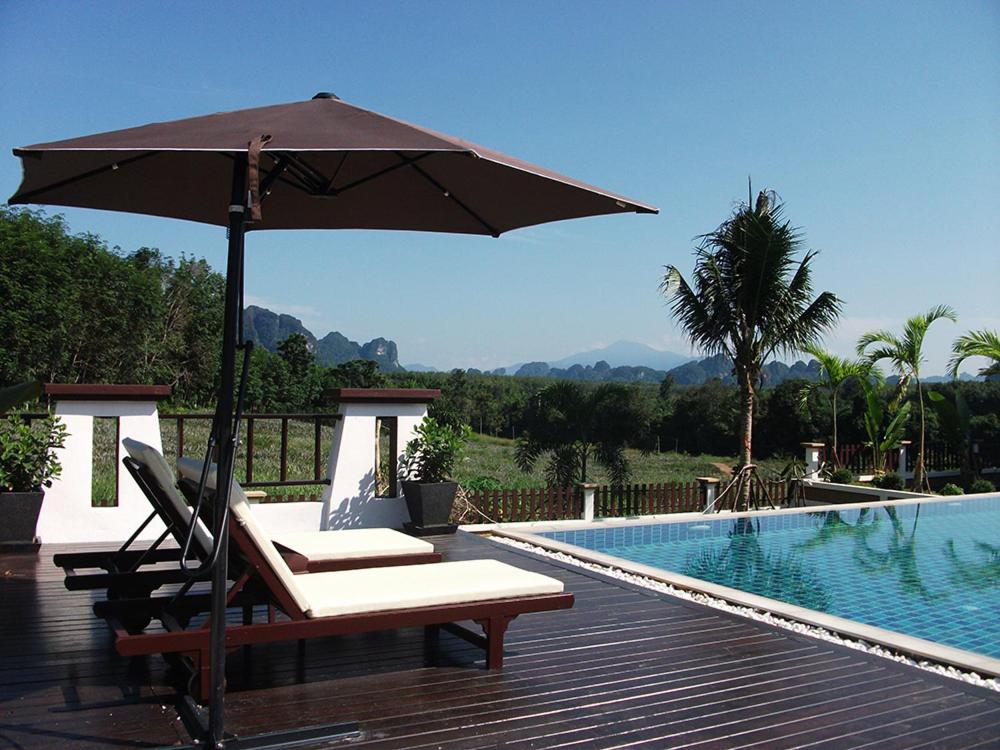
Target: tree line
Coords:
[(76, 310)]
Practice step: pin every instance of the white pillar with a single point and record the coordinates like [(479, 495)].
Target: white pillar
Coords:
[(350, 501), (588, 501), (812, 459), (709, 492), (902, 470), (67, 512)]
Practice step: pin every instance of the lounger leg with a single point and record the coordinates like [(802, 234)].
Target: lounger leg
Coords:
[(431, 632), (494, 629)]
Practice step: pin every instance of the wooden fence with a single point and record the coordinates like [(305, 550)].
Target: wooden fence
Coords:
[(528, 504), (266, 440), (566, 503), (647, 499)]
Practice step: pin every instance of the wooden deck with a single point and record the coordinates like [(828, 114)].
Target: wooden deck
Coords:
[(625, 667)]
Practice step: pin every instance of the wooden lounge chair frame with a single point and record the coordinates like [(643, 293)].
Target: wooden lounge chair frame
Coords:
[(256, 582), (124, 579)]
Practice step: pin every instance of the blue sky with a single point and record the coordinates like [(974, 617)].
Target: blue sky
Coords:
[(877, 123)]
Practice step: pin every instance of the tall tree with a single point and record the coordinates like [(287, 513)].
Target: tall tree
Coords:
[(834, 371), (976, 344), (750, 298), (905, 354)]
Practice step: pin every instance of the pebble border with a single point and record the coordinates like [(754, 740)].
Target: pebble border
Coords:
[(973, 678)]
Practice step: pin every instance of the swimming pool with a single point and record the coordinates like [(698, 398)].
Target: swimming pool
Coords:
[(928, 570)]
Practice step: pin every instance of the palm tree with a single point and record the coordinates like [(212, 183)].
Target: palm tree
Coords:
[(749, 299), (906, 355), (572, 426), (834, 371), (976, 344)]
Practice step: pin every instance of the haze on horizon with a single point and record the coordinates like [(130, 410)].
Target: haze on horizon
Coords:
[(875, 122)]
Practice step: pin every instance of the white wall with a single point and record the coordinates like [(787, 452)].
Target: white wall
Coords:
[(67, 514), (349, 501)]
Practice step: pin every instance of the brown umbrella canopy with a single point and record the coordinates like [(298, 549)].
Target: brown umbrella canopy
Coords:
[(338, 167)]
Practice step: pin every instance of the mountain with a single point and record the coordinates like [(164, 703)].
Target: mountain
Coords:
[(417, 367), (719, 366), (268, 329), (624, 354)]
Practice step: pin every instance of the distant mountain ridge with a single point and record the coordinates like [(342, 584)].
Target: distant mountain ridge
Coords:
[(268, 329)]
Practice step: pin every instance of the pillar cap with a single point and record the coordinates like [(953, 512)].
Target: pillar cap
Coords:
[(708, 480), (905, 443), (813, 445), (587, 485), (384, 395), (95, 392)]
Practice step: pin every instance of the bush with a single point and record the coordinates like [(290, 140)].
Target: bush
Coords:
[(482, 483), (432, 454), (951, 489), (28, 459), (981, 485), (889, 482), (842, 476)]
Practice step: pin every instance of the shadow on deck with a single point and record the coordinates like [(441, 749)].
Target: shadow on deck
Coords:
[(624, 667)]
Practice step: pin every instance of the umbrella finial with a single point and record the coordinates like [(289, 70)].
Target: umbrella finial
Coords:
[(326, 95)]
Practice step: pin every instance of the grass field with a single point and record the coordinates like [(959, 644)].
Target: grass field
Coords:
[(494, 457), (485, 457)]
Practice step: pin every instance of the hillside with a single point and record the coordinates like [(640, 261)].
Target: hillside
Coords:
[(268, 329)]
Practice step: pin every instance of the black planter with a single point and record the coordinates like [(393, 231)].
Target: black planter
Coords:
[(18, 518), (430, 505)]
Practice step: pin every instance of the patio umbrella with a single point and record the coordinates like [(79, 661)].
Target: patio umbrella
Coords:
[(316, 164)]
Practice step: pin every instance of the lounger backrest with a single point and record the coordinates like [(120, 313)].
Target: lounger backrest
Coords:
[(157, 468), (239, 506)]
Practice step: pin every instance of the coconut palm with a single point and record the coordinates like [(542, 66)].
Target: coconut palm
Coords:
[(750, 298), (905, 354), (976, 344), (834, 371)]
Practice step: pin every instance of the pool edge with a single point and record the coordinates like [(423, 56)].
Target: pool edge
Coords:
[(909, 645)]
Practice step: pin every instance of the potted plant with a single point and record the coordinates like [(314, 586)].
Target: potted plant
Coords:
[(28, 464), (428, 461)]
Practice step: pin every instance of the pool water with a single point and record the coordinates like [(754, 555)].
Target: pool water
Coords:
[(930, 570)]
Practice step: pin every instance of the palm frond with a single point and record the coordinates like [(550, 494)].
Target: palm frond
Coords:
[(983, 343)]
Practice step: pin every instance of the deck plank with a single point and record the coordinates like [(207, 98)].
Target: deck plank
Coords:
[(626, 667)]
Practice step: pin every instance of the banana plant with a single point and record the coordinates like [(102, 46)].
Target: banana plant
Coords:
[(882, 441)]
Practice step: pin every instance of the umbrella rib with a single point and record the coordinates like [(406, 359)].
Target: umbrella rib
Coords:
[(407, 161), (461, 204), (26, 197)]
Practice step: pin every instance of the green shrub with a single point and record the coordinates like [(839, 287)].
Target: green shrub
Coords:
[(951, 489), (981, 485), (482, 483), (432, 454), (842, 476), (27, 453), (889, 482)]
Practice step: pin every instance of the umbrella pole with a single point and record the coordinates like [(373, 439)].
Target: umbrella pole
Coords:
[(224, 439)]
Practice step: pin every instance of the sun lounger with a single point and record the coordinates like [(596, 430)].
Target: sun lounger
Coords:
[(307, 605), (126, 572)]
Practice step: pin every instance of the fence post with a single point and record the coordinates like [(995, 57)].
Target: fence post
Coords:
[(903, 471), (812, 459), (588, 501), (709, 487)]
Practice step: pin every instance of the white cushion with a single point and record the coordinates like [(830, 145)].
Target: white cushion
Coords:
[(347, 592), (153, 460), (239, 506), (353, 544)]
